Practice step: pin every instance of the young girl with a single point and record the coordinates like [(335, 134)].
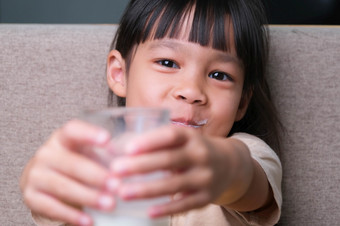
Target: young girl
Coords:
[(205, 61)]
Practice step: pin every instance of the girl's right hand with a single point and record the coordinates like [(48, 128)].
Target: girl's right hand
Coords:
[(59, 180)]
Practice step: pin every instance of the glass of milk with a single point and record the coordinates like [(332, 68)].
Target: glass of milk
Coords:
[(124, 124)]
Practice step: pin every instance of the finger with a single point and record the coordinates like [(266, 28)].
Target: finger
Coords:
[(73, 192), (161, 138), (52, 208), (82, 169), (144, 163), (167, 185), (187, 201), (77, 134), (72, 164)]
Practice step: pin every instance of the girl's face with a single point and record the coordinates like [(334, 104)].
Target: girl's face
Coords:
[(202, 87)]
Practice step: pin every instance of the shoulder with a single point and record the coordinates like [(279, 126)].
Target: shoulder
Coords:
[(257, 147), (264, 155)]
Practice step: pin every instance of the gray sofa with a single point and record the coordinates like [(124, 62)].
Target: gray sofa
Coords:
[(51, 73)]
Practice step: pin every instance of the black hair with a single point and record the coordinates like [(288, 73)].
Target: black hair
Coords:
[(156, 19)]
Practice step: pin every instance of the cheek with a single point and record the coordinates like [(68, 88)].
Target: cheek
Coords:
[(224, 113), (223, 123), (143, 92)]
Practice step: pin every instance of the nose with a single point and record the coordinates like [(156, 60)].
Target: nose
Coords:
[(190, 92)]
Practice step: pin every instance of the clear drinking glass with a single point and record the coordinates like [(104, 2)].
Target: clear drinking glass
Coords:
[(124, 124)]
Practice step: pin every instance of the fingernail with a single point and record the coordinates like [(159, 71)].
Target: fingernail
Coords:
[(84, 220), (112, 184), (154, 212), (128, 193), (119, 167), (131, 148), (105, 202), (102, 137)]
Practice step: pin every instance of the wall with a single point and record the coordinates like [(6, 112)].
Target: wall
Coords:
[(110, 11), (61, 11)]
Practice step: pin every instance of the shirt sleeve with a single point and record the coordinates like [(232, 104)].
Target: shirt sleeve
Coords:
[(271, 165)]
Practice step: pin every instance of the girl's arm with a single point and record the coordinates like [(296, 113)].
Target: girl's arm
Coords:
[(204, 170), (249, 189)]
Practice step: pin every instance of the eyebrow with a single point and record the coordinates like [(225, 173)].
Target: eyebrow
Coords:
[(226, 57), (165, 43)]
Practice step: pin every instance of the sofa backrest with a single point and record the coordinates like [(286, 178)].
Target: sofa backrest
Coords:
[(51, 73), (304, 75)]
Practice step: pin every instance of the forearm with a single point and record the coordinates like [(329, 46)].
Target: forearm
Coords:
[(249, 188)]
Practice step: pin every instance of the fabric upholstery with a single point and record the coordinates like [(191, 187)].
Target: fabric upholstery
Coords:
[(304, 74), (51, 73)]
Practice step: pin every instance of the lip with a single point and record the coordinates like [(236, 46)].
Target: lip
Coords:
[(196, 124)]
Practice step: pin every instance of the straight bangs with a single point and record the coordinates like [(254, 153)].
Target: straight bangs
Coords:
[(208, 21)]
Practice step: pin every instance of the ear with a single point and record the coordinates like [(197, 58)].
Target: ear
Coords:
[(116, 73), (244, 103)]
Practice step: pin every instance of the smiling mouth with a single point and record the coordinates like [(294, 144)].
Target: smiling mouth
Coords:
[(190, 124)]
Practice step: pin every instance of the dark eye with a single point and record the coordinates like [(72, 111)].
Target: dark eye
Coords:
[(220, 76), (168, 63)]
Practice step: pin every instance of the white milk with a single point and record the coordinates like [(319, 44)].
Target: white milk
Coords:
[(114, 219), (134, 212), (129, 213)]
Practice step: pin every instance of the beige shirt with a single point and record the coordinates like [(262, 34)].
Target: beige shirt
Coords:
[(214, 215)]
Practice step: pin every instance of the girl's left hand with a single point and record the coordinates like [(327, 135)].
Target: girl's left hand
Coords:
[(198, 168)]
